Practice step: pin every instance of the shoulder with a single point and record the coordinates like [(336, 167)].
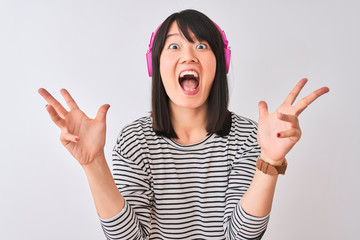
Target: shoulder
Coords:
[(140, 126), (243, 129), (133, 135), (243, 133), (240, 122)]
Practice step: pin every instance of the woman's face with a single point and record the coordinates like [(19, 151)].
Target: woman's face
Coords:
[(187, 69)]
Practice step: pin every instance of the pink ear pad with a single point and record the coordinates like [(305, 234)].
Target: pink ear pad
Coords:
[(226, 50), (227, 58), (149, 62)]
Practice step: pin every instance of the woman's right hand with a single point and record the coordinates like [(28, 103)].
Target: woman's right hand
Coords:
[(83, 137)]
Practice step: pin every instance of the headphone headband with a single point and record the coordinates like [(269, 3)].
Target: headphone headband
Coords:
[(226, 49)]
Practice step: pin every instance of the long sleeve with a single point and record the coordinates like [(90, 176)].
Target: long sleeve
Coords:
[(133, 181), (237, 223)]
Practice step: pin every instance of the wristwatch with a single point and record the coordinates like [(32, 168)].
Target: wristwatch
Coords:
[(272, 170)]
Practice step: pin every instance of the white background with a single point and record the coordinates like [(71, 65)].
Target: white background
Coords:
[(96, 49)]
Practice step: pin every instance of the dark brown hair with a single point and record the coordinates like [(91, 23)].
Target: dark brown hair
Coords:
[(218, 115)]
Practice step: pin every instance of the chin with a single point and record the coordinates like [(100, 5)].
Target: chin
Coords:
[(190, 104)]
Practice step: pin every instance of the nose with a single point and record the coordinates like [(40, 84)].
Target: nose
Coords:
[(189, 55)]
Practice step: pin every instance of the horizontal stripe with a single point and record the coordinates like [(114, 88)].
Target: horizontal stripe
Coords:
[(174, 191)]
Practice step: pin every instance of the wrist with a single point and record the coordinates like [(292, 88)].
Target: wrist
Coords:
[(271, 161), (97, 162)]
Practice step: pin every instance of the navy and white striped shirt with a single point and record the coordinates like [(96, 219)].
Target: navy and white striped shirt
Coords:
[(194, 191)]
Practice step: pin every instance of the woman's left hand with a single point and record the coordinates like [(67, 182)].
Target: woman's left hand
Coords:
[(278, 132)]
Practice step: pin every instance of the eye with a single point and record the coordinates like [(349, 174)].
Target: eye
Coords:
[(201, 46), (174, 46)]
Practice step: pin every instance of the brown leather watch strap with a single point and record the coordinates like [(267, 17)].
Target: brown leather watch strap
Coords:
[(271, 169)]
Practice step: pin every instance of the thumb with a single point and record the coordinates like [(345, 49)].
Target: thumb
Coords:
[(101, 114), (263, 109)]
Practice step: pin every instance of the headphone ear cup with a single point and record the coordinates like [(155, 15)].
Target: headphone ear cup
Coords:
[(149, 62), (227, 58)]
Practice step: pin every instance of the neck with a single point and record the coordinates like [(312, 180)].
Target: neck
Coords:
[(189, 123)]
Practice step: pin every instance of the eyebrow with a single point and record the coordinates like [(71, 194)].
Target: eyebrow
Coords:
[(178, 34), (172, 34)]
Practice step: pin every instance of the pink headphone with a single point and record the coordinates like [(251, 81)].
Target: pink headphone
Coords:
[(226, 49)]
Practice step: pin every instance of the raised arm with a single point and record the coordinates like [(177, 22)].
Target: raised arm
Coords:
[(277, 134), (84, 138)]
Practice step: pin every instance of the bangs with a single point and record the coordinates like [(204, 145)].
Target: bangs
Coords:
[(203, 29)]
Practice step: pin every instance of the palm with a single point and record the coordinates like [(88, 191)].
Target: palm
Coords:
[(91, 133), (284, 122), (275, 147), (83, 137)]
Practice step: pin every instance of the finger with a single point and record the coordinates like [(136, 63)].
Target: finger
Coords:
[(55, 116), (290, 99), (68, 137), (101, 114), (293, 133), (292, 119), (69, 100), (53, 102), (306, 101), (263, 109)]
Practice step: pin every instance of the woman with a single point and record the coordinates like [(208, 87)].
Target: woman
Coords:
[(191, 170)]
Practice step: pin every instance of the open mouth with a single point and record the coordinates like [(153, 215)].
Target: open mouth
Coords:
[(189, 81)]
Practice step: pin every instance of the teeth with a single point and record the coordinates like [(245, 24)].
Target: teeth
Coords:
[(182, 74)]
